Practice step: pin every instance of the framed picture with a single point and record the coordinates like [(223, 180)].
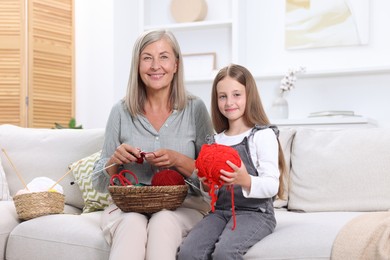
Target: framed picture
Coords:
[(317, 23), (199, 64)]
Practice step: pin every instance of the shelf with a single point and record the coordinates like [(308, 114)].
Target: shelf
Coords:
[(194, 25), (346, 121), (326, 73)]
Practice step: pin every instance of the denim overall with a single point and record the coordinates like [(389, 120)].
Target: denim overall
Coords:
[(213, 238), (240, 202)]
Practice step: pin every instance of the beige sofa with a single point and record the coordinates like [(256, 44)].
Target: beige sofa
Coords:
[(335, 176)]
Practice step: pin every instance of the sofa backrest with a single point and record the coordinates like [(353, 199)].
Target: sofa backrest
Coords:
[(340, 170), (47, 152)]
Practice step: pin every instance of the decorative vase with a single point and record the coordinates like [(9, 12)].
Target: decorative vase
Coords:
[(280, 108), (188, 11)]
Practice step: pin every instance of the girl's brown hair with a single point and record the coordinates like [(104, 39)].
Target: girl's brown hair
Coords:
[(254, 110)]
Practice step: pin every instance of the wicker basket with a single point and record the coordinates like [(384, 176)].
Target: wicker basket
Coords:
[(36, 204), (148, 199)]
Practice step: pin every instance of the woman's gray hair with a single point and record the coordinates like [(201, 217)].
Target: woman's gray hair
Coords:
[(136, 92)]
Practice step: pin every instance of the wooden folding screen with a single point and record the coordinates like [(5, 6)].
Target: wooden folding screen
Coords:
[(12, 62), (36, 62)]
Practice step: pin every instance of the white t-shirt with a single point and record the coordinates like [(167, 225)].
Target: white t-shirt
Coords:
[(264, 153)]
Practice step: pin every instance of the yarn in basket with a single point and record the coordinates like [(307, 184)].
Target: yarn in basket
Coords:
[(167, 177), (211, 160)]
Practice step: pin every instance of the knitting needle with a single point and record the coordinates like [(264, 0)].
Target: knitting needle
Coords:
[(109, 166), (192, 185), (95, 172), (65, 175), (13, 166)]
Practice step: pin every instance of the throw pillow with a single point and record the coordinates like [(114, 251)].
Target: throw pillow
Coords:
[(340, 170), (4, 190), (82, 172)]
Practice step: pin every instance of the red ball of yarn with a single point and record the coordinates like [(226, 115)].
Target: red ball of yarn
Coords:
[(167, 177), (212, 159)]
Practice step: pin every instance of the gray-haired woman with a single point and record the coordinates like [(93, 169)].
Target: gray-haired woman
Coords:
[(159, 117)]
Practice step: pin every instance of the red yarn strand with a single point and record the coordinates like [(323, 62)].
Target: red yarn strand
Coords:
[(231, 188), (213, 197)]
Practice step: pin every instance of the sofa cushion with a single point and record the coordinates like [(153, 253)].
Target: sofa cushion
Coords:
[(286, 136), (340, 170), (8, 220), (61, 237), (39, 152), (82, 172), (301, 236), (4, 190)]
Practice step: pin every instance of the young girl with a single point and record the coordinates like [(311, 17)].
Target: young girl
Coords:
[(240, 122)]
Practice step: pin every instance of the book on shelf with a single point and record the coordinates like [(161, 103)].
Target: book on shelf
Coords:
[(333, 113)]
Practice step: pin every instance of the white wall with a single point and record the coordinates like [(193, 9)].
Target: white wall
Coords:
[(348, 78), (125, 32), (94, 61)]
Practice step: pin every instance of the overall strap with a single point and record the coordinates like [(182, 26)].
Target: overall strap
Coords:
[(262, 127)]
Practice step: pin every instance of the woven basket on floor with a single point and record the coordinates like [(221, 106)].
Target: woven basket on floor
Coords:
[(148, 199), (36, 204)]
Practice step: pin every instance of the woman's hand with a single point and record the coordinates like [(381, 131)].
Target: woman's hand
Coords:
[(239, 176), (124, 154), (166, 158), (163, 158)]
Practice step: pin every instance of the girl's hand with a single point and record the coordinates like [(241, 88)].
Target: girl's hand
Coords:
[(239, 176)]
